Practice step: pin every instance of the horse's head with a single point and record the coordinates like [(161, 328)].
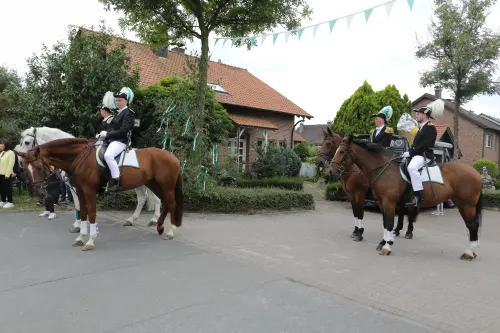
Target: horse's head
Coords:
[(35, 169), (331, 141), (342, 160), (28, 140)]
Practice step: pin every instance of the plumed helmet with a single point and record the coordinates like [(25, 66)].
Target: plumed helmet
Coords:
[(126, 93), (385, 113), (108, 101), (434, 109)]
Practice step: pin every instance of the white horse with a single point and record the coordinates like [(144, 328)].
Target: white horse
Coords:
[(46, 134)]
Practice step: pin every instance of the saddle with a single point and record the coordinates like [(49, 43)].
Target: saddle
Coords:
[(399, 145)]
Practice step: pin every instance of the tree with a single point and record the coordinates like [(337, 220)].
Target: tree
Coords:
[(67, 82), (355, 114), (464, 51), (164, 22)]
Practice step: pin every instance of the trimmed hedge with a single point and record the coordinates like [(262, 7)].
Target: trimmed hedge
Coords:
[(490, 165), (222, 200), (296, 184), (334, 192), (234, 200)]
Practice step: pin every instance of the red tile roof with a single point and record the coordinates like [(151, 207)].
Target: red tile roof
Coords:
[(441, 129), (252, 122), (298, 138), (244, 89)]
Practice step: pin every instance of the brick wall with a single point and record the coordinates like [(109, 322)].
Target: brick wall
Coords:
[(492, 152), (470, 135), (284, 122)]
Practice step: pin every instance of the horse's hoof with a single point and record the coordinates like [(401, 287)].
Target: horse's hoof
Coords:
[(468, 256), (160, 231), (74, 230), (357, 238), (385, 252), (152, 223), (396, 233), (88, 247), (127, 224), (168, 237), (409, 235), (379, 247), (78, 243)]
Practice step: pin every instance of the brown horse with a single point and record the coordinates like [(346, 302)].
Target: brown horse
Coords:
[(159, 170), (389, 187), (355, 185)]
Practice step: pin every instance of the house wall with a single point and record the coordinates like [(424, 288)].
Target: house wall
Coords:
[(284, 122), (492, 153), (470, 135)]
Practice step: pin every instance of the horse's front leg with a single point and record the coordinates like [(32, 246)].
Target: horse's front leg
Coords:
[(401, 217), (78, 222), (79, 241), (388, 216), (141, 199), (90, 199)]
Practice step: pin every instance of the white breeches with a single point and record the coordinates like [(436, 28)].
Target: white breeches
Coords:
[(114, 149), (417, 162)]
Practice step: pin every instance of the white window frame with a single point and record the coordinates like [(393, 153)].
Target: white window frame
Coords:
[(489, 141)]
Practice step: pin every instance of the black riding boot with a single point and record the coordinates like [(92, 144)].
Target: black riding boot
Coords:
[(114, 185), (417, 199)]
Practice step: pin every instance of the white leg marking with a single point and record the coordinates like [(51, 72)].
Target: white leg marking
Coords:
[(45, 213), (83, 227), (170, 232), (77, 223), (360, 223), (52, 216)]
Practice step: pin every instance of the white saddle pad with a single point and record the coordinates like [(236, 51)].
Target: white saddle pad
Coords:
[(130, 160), (434, 172)]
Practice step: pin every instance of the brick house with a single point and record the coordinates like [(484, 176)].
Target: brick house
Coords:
[(313, 134), (260, 113), (479, 135)]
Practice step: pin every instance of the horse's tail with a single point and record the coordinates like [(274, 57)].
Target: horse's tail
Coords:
[(179, 201), (150, 200), (479, 210)]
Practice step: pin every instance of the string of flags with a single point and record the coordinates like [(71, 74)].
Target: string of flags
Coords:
[(299, 31), (164, 125)]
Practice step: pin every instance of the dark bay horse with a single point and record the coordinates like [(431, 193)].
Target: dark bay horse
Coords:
[(355, 185), (461, 182), (159, 170)]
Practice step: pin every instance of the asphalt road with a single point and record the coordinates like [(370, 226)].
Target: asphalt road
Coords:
[(223, 273)]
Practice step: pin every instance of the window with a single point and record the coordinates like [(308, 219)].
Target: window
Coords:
[(489, 141), (217, 88)]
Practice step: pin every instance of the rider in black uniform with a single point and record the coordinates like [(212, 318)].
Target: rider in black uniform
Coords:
[(382, 134)]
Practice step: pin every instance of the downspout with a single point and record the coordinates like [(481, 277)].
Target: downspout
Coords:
[(484, 143)]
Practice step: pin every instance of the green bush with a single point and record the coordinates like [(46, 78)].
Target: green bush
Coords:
[(234, 200), (221, 200), (490, 165), (491, 198), (296, 184), (302, 150), (334, 192), (276, 162), (496, 182)]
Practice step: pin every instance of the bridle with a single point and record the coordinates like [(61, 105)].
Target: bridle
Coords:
[(46, 168), (341, 164), (327, 159)]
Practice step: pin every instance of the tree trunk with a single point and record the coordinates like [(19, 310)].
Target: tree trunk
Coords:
[(202, 83), (455, 128)]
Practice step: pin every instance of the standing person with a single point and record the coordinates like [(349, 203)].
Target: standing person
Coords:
[(52, 194), (117, 135), (7, 162), (382, 134), (439, 210)]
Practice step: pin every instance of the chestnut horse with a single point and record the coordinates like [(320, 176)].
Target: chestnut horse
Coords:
[(389, 187), (355, 185), (159, 170)]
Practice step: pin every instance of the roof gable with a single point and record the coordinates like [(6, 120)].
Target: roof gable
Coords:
[(469, 115), (242, 87)]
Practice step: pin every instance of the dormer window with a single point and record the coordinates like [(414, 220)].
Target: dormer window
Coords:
[(217, 88)]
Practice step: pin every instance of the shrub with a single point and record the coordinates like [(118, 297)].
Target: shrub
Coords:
[(490, 165), (496, 182), (334, 192), (276, 162), (234, 200), (302, 150), (221, 200), (491, 198), (296, 184)]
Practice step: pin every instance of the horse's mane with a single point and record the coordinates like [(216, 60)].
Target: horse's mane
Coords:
[(372, 147), (63, 142), (46, 134)]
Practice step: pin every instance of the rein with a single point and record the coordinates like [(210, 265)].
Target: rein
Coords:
[(349, 150)]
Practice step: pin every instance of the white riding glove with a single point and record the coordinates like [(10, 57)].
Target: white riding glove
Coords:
[(405, 154), (102, 135)]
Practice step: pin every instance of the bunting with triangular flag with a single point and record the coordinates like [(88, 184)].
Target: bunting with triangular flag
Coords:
[(367, 12)]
